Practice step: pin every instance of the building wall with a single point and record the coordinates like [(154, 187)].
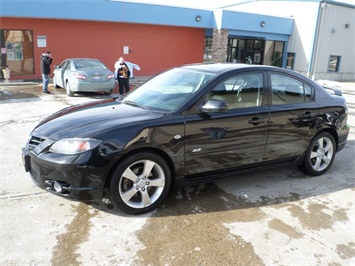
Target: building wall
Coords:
[(302, 38), (154, 48), (335, 40), (314, 44)]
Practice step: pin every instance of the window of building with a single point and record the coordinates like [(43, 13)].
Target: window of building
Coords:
[(273, 53), (333, 65), (207, 55), (289, 90), (290, 60), (19, 51)]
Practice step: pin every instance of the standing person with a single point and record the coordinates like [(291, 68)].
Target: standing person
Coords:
[(46, 61), (123, 74), (130, 67)]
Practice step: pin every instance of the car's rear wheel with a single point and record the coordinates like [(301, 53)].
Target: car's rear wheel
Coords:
[(320, 155), (55, 82), (140, 183), (109, 92), (69, 92)]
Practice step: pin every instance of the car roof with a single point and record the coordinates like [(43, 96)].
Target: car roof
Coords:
[(219, 68), (78, 59), (225, 67)]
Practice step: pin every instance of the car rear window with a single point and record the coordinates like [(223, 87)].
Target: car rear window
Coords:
[(89, 65)]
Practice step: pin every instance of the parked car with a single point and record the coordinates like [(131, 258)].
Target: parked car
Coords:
[(83, 75), (187, 125)]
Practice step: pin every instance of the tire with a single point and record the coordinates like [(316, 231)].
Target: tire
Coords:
[(320, 155), (108, 92), (140, 183), (69, 92), (55, 82)]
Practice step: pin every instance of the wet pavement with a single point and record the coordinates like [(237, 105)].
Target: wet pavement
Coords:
[(274, 217)]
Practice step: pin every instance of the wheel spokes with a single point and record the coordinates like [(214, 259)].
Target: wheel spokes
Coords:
[(142, 183), (128, 173), (145, 198), (160, 182), (127, 195), (322, 154), (148, 166)]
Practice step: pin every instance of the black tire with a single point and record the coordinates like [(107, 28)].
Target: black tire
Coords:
[(108, 92), (55, 85), (320, 155), (136, 192), (69, 92)]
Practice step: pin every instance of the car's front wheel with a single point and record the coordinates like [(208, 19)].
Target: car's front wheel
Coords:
[(140, 183), (320, 155), (69, 92)]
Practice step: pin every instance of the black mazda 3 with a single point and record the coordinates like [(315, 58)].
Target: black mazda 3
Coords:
[(187, 125)]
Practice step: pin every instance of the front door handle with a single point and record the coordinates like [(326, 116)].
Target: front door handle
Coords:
[(256, 121)]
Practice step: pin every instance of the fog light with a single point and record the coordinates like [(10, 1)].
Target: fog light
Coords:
[(57, 187)]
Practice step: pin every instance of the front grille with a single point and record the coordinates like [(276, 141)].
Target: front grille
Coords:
[(34, 142)]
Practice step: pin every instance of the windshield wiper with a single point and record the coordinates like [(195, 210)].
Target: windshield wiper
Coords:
[(134, 104)]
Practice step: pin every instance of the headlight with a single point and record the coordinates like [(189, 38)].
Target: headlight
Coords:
[(74, 146)]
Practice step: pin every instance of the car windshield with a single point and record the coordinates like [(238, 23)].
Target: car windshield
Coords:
[(89, 64), (167, 91)]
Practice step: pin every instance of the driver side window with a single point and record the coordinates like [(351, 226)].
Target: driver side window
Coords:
[(240, 91)]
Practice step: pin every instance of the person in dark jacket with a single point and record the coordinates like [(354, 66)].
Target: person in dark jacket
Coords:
[(46, 61)]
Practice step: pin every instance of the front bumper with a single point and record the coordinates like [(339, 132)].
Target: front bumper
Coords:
[(74, 179)]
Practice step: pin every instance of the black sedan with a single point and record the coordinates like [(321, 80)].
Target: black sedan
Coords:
[(189, 124)]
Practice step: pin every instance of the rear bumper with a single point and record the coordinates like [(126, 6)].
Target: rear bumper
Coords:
[(93, 86), (343, 137)]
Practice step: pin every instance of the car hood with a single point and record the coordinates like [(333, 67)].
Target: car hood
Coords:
[(91, 119)]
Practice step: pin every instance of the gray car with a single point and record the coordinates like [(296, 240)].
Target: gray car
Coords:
[(83, 75)]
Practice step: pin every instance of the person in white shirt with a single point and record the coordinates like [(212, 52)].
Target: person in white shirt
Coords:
[(123, 74)]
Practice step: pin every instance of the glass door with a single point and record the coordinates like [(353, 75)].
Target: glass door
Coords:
[(248, 51)]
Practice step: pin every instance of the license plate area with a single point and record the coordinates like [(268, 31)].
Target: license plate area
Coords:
[(96, 77)]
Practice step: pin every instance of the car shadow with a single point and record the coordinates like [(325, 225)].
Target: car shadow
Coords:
[(257, 189)]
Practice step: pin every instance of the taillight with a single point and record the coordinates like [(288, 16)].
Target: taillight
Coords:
[(110, 76), (79, 76)]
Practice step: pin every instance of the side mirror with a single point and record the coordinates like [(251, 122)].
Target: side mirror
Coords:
[(56, 66), (214, 106)]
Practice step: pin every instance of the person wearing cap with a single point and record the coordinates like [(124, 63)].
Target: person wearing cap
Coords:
[(46, 61)]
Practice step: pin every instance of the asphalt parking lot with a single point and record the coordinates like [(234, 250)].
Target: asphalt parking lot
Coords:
[(275, 217)]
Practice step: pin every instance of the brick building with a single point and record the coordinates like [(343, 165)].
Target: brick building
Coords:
[(157, 37)]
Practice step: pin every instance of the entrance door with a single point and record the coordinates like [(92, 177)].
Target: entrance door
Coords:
[(249, 51)]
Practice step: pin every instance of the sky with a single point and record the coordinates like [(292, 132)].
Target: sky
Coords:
[(210, 4)]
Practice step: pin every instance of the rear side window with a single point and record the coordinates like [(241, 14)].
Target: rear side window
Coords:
[(287, 90)]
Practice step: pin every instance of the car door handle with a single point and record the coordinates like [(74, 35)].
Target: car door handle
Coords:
[(256, 121), (308, 117)]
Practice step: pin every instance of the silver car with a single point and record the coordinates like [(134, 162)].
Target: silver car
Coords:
[(83, 75)]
